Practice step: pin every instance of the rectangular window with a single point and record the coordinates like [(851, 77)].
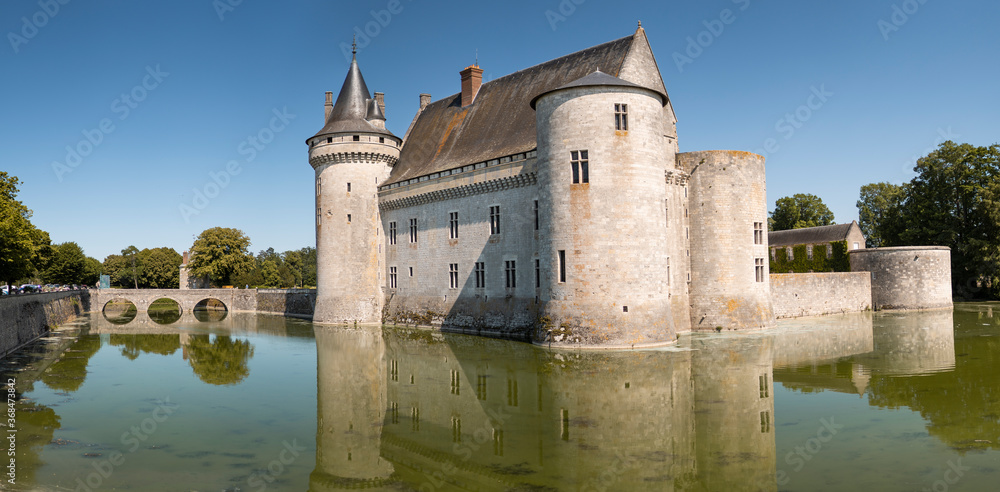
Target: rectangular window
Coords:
[(809, 251), (392, 232), (480, 275), (319, 216), (510, 267), (413, 230), (621, 117), (581, 166), (758, 233), (348, 218), (666, 210), (411, 271), (759, 269), (348, 187), (319, 186), (668, 271), (536, 215), (495, 219), (562, 266), (392, 277), (453, 275), (453, 225), (357, 138), (857, 246)]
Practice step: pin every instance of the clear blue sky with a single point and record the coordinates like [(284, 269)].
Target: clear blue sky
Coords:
[(892, 90)]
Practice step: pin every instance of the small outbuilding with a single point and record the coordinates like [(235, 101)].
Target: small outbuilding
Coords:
[(814, 249)]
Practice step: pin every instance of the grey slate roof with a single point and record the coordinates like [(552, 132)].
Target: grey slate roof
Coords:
[(351, 108), (810, 235), (598, 79), (501, 122)]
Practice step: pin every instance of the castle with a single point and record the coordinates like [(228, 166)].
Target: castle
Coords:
[(551, 204)]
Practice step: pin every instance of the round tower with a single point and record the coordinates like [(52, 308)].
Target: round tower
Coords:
[(601, 165), (908, 277), (351, 155), (730, 284)]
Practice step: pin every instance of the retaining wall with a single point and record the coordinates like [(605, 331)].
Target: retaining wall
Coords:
[(795, 295), (298, 303), (24, 318)]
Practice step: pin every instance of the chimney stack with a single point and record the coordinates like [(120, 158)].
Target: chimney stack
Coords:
[(425, 99), (380, 98), (472, 79), (329, 106)]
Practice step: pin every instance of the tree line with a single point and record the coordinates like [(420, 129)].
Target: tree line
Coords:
[(953, 201), (220, 255)]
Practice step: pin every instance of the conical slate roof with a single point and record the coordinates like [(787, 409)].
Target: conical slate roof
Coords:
[(598, 79), (351, 108)]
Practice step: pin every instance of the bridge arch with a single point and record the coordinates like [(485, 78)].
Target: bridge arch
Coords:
[(210, 309), (119, 310)]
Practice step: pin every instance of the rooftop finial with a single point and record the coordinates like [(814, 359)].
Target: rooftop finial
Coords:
[(354, 46), (640, 24)]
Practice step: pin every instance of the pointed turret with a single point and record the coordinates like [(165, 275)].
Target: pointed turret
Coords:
[(350, 113), (351, 155)]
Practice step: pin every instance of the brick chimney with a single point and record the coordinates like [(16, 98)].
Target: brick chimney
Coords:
[(472, 79), (329, 106), (425, 99), (380, 99)]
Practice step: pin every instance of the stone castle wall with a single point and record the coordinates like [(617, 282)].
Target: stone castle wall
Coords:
[(427, 296), (907, 277), (728, 196), (24, 318), (813, 294), (611, 232)]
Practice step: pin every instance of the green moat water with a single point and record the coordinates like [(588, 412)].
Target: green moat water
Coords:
[(250, 403)]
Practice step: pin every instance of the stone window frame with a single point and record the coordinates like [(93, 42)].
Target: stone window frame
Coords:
[(413, 230), (495, 219), (392, 233), (453, 225), (759, 272), (392, 277), (758, 233), (453, 275), (580, 166), (480, 274), (621, 117), (510, 274)]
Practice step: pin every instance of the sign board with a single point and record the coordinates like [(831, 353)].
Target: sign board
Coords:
[(105, 282)]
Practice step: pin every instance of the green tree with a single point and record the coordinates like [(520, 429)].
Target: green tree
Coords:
[(881, 214), (308, 258), (954, 201), (221, 253), (160, 268), (131, 254), (799, 211), (92, 271), (68, 265), (20, 241), (116, 267)]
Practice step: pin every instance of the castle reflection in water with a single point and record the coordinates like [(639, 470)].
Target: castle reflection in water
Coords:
[(436, 411)]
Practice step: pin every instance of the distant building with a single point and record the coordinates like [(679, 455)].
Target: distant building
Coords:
[(188, 282), (814, 249)]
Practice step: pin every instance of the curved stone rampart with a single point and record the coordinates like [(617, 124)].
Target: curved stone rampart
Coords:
[(907, 278)]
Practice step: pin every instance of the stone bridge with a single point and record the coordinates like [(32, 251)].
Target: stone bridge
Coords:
[(233, 299)]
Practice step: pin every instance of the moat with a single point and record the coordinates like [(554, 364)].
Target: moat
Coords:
[(253, 402)]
